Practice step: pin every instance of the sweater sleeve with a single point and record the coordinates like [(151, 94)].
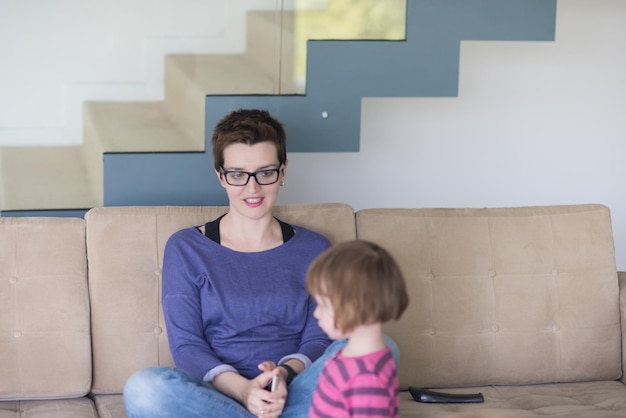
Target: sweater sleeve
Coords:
[(314, 339), (183, 316)]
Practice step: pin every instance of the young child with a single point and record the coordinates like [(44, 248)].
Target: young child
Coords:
[(357, 286)]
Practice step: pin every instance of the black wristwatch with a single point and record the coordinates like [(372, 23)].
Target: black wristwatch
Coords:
[(291, 373)]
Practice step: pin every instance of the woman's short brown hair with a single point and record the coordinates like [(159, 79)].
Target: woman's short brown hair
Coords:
[(248, 126), (362, 281)]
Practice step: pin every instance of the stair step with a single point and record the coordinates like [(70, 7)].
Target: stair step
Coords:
[(49, 178), (71, 177), (189, 78), (43, 178), (135, 127), (220, 74)]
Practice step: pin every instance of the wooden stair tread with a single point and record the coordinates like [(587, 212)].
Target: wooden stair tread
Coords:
[(136, 127), (224, 74), (43, 178)]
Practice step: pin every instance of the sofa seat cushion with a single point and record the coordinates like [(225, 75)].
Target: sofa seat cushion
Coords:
[(60, 408), (503, 296), (110, 406), (602, 399)]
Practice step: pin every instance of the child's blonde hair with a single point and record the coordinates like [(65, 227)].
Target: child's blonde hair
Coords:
[(362, 281)]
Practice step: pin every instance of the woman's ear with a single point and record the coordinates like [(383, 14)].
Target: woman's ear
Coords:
[(219, 178), (284, 172)]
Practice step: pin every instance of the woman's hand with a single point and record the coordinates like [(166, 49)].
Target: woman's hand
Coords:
[(252, 393), (262, 402)]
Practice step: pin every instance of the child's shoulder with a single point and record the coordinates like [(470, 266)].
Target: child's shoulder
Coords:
[(374, 362)]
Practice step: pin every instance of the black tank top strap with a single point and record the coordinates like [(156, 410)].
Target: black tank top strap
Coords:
[(288, 231), (212, 230)]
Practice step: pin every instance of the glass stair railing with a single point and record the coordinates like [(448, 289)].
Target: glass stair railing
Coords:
[(70, 177)]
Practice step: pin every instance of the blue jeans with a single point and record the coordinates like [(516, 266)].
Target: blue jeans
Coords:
[(165, 392)]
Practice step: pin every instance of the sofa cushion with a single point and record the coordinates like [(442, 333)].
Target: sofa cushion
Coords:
[(600, 399), (125, 253), (503, 296), (60, 408), (110, 406), (45, 349)]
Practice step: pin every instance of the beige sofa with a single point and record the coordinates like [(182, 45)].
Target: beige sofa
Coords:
[(520, 304)]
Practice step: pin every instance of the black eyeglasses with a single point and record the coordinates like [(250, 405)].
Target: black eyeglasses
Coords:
[(262, 177)]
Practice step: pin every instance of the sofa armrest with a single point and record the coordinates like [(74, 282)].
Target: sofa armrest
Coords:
[(621, 277)]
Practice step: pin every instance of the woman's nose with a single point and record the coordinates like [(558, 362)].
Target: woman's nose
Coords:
[(253, 184)]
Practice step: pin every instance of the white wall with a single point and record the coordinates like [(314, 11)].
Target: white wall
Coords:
[(55, 54), (534, 124)]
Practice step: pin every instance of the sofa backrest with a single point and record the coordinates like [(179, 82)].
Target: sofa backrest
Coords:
[(125, 251), (503, 296), (45, 348)]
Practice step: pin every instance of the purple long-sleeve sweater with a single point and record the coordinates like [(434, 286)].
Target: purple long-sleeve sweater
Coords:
[(226, 309)]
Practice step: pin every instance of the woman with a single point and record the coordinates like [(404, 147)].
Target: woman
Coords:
[(234, 295)]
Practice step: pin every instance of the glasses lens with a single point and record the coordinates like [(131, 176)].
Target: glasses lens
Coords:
[(266, 177), (237, 178)]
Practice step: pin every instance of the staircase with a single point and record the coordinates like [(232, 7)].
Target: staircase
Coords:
[(133, 139), (71, 177)]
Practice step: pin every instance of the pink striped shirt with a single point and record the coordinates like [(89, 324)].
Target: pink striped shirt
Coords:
[(365, 386)]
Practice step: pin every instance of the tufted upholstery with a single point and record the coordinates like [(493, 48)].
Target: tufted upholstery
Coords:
[(521, 304), (125, 252), (502, 296), (45, 343), (45, 347)]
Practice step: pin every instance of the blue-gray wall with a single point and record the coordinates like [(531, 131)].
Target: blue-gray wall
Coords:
[(339, 75)]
